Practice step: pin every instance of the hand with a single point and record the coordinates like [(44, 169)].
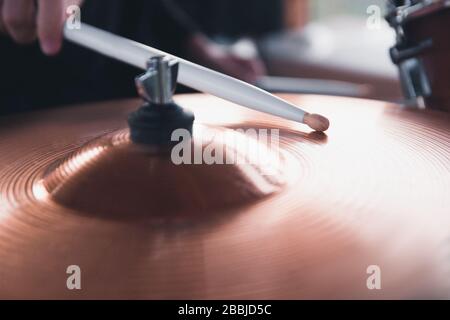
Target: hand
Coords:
[(246, 69), (210, 55), (27, 20)]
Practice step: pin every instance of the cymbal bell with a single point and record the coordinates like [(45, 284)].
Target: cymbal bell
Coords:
[(113, 177), (372, 191)]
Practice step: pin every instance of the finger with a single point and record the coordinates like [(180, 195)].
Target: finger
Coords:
[(255, 66), (50, 19), (18, 20), (258, 67), (245, 69)]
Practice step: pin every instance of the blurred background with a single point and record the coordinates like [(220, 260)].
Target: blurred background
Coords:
[(322, 9), (340, 40), (334, 47)]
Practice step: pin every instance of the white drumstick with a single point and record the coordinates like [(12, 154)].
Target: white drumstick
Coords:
[(193, 75)]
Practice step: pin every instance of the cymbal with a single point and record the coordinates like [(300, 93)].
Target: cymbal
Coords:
[(372, 191)]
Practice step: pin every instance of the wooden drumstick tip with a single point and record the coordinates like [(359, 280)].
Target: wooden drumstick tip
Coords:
[(316, 122)]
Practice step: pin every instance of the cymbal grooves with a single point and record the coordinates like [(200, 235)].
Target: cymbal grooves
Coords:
[(372, 191)]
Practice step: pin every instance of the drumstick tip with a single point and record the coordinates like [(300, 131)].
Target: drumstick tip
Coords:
[(316, 122)]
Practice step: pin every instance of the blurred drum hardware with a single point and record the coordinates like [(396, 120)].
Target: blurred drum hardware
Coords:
[(422, 50), (313, 86)]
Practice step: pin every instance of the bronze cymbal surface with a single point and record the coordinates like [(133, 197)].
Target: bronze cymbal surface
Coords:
[(372, 191)]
